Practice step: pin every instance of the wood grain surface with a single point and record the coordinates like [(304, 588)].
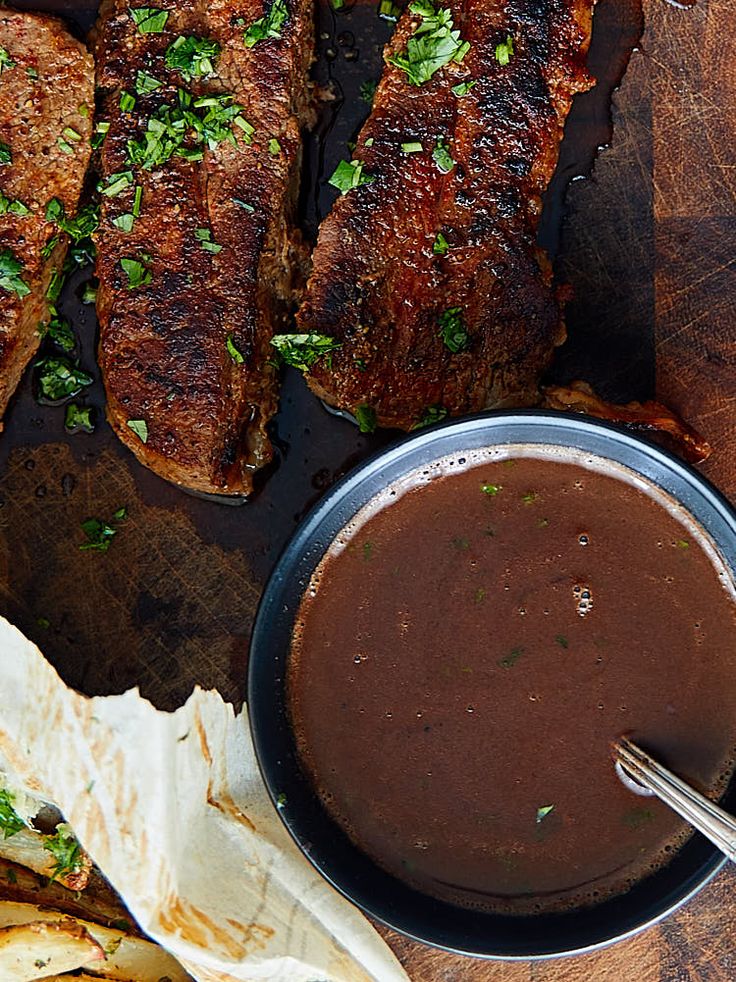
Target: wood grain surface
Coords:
[(649, 244)]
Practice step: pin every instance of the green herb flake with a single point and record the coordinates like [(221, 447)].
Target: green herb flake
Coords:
[(10, 821), (479, 596), (543, 811), (505, 51), (6, 155), (683, 544), (60, 332), (59, 378), (388, 10), (281, 800), (338, 4), (140, 428), (127, 102), (89, 294), (368, 91), (348, 175), (434, 43), (124, 222), (66, 850), (70, 134), (430, 416), (414, 147), (145, 84), (137, 200), (302, 351), (79, 418), (366, 418), (13, 206), (453, 332), (204, 237), (508, 661), (529, 497), (442, 157), (369, 142), (6, 62), (149, 20), (10, 876), (491, 489), (32, 73), (43, 622), (10, 274), (99, 535), (274, 147), (440, 246), (192, 57), (98, 136), (234, 353), (137, 272), (562, 641), (368, 550), (64, 146), (81, 227), (269, 26), (463, 88), (117, 183)]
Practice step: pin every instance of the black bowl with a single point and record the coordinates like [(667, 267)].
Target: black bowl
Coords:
[(322, 841)]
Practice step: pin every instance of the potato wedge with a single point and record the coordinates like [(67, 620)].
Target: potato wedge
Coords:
[(28, 951), (126, 957), (28, 848)]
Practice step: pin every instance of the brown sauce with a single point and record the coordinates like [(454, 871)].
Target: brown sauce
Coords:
[(467, 652)]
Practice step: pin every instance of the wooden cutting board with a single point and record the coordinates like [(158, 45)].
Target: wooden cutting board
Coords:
[(650, 248)]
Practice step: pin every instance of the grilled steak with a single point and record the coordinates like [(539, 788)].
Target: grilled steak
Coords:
[(429, 276), (197, 256), (46, 106)]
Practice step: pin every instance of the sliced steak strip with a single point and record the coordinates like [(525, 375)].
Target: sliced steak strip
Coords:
[(46, 109), (185, 329), (430, 276)]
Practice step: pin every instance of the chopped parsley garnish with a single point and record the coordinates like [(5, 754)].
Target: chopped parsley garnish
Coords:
[(117, 183), (183, 129), (81, 227), (505, 51), (543, 811), (303, 350), (268, 26), (683, 544), (462, 88), (63, 145), (479, 596), (274, 147), (432, 414), (78, 418), (13, 206), (59, 330), (235, 355), (348, 175), (529, 497), (204, 237), (100, 132), (127, 102), (5, 60), (368, 90), (440, 246), (369, 142), (137, 272), (412, 147), (452, 329), (65, 849), (562, 641), (149, 20), (59, 378), (124, 222), (366, 419), (433, 45), (192, 56), (89, 294), (389, 10), (491, 489), (145, 83), (6, 156), (140, 428), (508, 661), (10, 820), (338, 4), (10, 278), (442, 157), (71, 134)]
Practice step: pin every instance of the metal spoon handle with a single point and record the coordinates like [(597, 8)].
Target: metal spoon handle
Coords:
[(714, 823)]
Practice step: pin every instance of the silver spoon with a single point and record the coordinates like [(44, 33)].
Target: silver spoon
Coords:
[(643, 775)]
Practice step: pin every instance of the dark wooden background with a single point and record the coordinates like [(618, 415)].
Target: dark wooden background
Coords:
[(649, 243)]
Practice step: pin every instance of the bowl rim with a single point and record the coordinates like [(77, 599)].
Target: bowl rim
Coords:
[(409, 446)]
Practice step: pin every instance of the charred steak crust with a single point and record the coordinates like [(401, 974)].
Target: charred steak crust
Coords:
[(383, 282), (184, 346), (46, 108)]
